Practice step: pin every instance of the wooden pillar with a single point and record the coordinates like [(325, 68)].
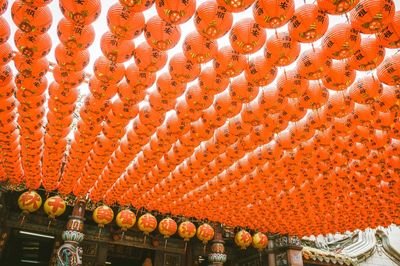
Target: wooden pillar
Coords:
[(70, 253), (288, 251), (217, 257), (271, 250)]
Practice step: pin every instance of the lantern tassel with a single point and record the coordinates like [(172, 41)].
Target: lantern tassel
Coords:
[(165, 243), (22, 219), (204, 249), (185, 246), (99, 234), (144, 240), (123, 234), (48, 225)]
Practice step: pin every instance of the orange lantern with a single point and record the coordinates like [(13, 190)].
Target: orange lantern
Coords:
[(161, 35), (176, 11), (199, 49), (29, 201), (123, 23), (235, 5), (125, 219), (205, 233), (147, 223), (341, 41), (273, 14), (389, 72), (243, 239), (212, 20), (81, 12), (167, 227), (260, 241), (308, 24), (137, 6), (312, 64), (369, 56), (54, 206), (246, 36), (337, 7), (281, 49), (390, 36), (187, 230), (372, 16)]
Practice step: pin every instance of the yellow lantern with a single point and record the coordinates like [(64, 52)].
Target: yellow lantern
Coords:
[(205, 233), (260, 241), (29, 201), (167, 227), (103, 215), (243, 239), (187, 230), (54, 206), (147, 223), (125, 219)]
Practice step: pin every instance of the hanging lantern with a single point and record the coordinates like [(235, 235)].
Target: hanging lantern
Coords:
[(205, 233), (272, 14), (243, 239), (147, 223), (103, 215), (125, 219), (167, 228), (28, 202), (54, 206), (260, 241), (187, 230)]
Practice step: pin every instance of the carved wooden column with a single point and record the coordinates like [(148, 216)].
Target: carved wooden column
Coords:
[(217, 256), (288, 251), (69, 253)]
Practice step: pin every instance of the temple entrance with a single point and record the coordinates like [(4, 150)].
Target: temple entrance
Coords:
[(27, 248), (119, 255)]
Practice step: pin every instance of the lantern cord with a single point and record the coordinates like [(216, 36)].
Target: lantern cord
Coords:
[(22, 219), (99, 234), (48, 225)]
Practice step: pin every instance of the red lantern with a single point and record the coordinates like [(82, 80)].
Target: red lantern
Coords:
[(187, 230), (205, 233), (147, 223), (167, 227), (103, 215), (125, 219)]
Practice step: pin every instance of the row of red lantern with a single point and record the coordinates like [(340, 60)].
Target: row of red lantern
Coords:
[(303, 131), (33, 44), (296, 117), (147, 223), (31, 201), (9, 134), (102, 87), (76, 35)]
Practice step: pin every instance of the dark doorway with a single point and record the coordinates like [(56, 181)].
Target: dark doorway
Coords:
[(124, 255), (27, 248)]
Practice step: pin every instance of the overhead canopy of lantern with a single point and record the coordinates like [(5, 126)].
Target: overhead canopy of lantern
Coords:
[(274, 115)]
